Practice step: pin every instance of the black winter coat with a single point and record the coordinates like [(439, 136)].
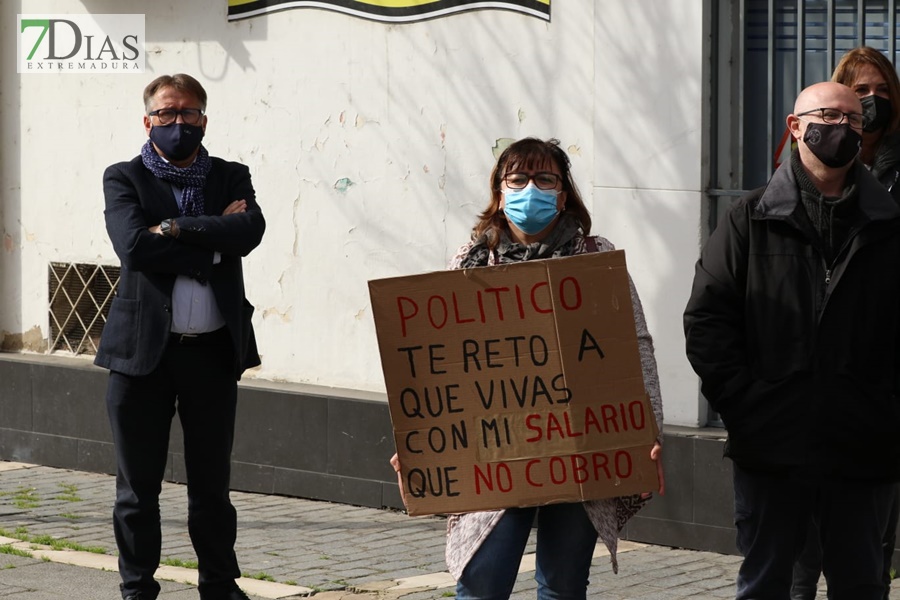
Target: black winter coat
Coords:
[(802, 358), (886, 166)]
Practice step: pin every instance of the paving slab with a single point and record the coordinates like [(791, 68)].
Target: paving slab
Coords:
[(289, 548)]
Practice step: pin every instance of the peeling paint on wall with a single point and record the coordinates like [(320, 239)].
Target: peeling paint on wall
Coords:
[(500, 145), (295, 246), (343, 184), (574, 150), (286, 316), (30, 341), (521, 115), (8, 244), (362, 121)]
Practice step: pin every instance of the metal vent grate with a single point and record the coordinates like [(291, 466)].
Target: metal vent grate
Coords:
[(80, 295)]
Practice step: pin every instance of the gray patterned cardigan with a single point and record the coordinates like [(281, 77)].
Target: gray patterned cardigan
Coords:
[(466, 532)]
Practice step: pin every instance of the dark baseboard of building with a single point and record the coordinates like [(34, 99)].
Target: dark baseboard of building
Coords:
[(294, 440), (697, 510), (320, 443)]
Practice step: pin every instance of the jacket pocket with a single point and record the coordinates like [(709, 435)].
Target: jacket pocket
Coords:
[(120, 334)]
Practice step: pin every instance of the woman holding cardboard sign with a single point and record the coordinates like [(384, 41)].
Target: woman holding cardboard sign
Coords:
[(536, 212)]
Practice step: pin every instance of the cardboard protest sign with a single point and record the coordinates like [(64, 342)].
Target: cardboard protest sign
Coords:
[(515, 385)]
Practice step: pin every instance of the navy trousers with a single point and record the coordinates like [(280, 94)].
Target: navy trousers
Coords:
[(808, 567), (197, 380), (772, 514)]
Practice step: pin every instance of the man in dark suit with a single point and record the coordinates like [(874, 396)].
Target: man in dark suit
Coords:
[(178, 335)]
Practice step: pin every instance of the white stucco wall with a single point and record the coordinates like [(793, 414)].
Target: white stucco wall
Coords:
[(648, 168), (370, 147)]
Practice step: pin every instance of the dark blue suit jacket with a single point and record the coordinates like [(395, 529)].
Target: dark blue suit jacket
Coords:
[(140, 317)]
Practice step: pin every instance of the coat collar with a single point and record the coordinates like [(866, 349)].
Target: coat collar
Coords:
[(781, 196)]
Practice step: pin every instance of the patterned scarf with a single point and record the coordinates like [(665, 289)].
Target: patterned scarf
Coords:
[(190, 179), (560, 242)]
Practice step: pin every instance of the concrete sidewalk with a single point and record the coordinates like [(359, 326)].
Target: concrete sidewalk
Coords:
[(287, 547)]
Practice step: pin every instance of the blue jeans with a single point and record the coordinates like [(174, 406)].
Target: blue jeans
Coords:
[(772, 512), (565, 545)]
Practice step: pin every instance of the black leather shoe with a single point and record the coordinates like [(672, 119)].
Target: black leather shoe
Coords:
[(234, 594), (134, 595)]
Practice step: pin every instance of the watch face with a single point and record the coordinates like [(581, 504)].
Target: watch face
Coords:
[(165, 226)]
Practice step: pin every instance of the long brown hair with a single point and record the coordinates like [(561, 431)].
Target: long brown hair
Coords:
[(847, 72), (525, 154)]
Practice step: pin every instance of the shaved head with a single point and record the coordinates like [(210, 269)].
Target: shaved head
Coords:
[(829, 150), (827, 95)]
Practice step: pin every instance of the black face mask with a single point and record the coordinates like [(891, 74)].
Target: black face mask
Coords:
[(878, 111), (177, 140), (834, 145)]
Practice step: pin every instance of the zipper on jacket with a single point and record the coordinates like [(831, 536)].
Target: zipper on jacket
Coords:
[(827, 276)]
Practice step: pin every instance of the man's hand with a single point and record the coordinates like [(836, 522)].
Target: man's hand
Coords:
[(173, 230), (238, 206)]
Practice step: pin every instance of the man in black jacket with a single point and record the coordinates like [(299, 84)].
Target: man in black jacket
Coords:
[(793, 326), (178, 335)]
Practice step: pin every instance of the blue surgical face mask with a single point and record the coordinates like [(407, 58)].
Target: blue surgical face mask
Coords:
[(530, 209)]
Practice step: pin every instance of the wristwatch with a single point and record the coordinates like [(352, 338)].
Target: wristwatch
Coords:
[(168, 228)]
